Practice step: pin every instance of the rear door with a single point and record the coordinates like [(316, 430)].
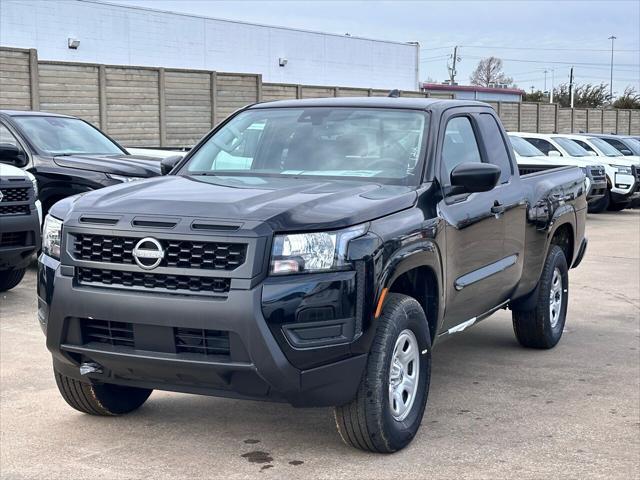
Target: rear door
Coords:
[(475, 227)]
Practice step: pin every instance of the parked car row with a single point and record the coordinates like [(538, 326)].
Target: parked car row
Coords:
[(597, 155)]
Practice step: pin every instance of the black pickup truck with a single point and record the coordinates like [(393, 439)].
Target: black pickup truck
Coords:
[(20, 219), (310, 251), (67, 155)]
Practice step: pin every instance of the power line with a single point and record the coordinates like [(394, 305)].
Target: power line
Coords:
[(547, 49), (558, 63)]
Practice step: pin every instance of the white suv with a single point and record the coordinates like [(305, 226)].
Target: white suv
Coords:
[(531, 160), (622, 172)]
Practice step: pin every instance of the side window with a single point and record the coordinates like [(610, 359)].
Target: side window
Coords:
[(9, 146), (543, 145), (494, 143), (618, 145), (459, 145), (584, 145)]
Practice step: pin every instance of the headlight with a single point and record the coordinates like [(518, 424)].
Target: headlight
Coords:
[(622, 169), (35, 185), (312, 252), (51, 235), (122, 178)]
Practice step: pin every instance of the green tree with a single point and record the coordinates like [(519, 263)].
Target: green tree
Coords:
[(629, 99), (537, 97), (584, 96)]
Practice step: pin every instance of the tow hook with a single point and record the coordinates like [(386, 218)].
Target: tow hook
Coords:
[(89, 367)]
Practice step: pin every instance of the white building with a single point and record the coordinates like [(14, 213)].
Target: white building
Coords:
[(127, 35)]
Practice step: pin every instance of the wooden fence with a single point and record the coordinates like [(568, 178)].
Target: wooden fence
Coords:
[(145, 106)]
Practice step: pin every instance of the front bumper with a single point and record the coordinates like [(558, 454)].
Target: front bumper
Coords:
[(19, 239), (255, 367), (597, 189)]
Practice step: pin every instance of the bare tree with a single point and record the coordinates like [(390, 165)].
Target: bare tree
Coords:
[(488, 71)]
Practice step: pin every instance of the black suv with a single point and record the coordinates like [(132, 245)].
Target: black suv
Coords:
[(67, 155)]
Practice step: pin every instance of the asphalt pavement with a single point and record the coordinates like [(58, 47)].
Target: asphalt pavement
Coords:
[(495, 410)]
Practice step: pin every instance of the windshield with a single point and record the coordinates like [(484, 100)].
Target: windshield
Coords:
[(605, 148), (65, 136), (524, 148), (383, 145), (571, 147)]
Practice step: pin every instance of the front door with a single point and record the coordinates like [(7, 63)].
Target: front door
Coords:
[(475, 228)]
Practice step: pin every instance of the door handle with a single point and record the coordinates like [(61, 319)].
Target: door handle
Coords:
[(498, 208)]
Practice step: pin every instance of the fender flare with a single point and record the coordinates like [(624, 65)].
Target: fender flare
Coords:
[(423, 254)]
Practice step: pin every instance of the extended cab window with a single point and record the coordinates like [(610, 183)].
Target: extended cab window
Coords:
[(494, 143), (459, 145), (364, 143)]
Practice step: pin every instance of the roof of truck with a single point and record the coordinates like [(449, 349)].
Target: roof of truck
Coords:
[(19, 113), (380, 102)]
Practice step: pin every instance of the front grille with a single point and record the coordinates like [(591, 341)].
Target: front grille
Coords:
[(178, 253), (106, 331), (15, 210), (205, 342), (635, 169), (12, 194), (597, 174), (153, 281), (13, 239)]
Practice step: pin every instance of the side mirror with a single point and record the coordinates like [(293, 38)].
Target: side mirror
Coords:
[(475, 177), (626, 152), (554, 153), (592, 153), (167, 163), (12, 155)]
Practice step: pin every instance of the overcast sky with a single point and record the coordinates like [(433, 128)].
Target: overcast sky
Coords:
[(530, 36)]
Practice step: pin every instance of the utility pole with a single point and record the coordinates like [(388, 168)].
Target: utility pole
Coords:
[(612, 38), (545, 79), (571, 86), (551, 92), (452, 68), (532, 87)]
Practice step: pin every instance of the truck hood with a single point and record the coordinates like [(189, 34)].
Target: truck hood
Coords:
[(125, 165), (11, 171), (285, 204)]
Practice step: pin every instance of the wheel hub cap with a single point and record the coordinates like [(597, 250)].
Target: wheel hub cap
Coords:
[(404, 374), (555, 298)]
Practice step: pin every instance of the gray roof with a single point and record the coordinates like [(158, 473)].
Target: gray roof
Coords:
[(18, 113), (380, 102)]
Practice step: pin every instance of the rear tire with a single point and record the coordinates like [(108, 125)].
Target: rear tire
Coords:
[(102, 399), (10, 278), (542, 326), (384, 416)]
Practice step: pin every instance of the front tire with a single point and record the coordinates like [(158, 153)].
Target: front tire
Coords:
[(101, 399), (601, 204), (389, 405), (10, 278), (542, 326)]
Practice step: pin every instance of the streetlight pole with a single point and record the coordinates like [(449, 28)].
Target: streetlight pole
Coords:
[(612, 38)]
